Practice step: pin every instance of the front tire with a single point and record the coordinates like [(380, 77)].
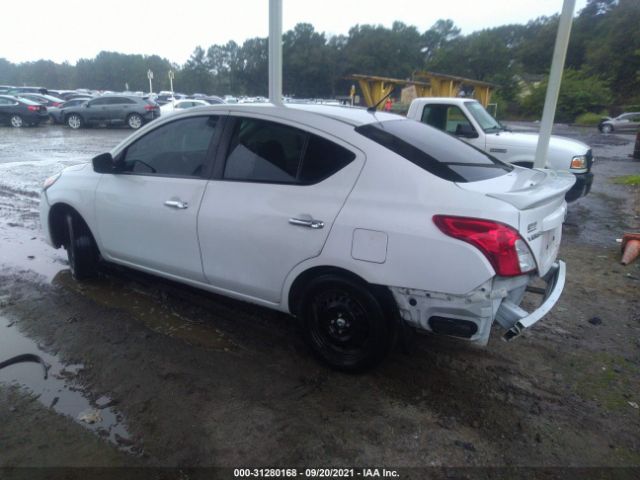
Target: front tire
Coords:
[(75, 121), (81, 248), (16, 121), (134, 121), (345, 324)]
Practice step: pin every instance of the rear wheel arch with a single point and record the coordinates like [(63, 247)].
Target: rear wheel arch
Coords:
[(304, 279)]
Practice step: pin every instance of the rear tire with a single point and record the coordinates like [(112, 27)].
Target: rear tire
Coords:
[(16, 121), (606, 128), (345, 324), (81, 248), (75, 121), (134, 121)]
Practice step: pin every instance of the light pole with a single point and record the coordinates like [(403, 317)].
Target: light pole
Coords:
[(171, 77), (150, 77), (555, 77), (275, 52)]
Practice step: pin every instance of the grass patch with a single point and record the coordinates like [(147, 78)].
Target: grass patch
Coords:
[(589, 119), (607, 379), (627, 180)]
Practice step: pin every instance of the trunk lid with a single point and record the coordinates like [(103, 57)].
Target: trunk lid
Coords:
[(539, 196)]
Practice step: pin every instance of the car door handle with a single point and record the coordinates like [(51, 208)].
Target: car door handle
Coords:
[(307, 222), (176, 204)]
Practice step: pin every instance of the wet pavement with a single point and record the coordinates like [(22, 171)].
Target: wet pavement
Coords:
[(58, 390), (174, 376)]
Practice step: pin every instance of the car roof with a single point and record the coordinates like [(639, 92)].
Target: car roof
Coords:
[(355, 116)]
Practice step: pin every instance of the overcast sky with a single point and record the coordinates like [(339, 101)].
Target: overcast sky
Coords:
[(62, 30)]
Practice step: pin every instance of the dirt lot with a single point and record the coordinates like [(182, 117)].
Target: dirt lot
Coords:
[(173, 377)]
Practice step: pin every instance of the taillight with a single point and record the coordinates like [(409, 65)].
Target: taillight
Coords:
[(148, 108), (33, 108), (502, 245), (56, 104)]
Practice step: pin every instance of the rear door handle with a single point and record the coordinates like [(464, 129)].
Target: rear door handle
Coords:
[(176, 204), (307, 222)]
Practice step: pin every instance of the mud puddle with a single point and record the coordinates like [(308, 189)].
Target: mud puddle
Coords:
[(60, 390), (123, 294)]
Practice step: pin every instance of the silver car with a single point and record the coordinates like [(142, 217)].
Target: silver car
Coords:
[(627, 122)]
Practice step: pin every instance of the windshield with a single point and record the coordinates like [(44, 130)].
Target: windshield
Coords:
[(484, 118), (435, 151)]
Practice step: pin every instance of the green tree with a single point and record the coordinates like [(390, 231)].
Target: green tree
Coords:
[(579, 93)]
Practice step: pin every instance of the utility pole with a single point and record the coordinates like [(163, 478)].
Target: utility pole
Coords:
[(150, 77), (555, 78)]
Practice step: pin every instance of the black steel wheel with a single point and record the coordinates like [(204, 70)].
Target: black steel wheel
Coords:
[(82, 251), (345, 324)]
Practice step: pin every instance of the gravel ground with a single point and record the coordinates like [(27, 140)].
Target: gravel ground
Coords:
[(180, 378)]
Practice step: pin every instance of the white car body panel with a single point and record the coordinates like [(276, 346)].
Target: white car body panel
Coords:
[(133, 221), (249, 246)]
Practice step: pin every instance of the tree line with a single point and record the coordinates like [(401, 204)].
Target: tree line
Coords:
[(603, 60)]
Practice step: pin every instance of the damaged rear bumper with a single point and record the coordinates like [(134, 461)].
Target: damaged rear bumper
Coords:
[(515, 320), (471, 316)]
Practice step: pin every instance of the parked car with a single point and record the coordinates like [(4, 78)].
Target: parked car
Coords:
[(20, 112), (18, 90), (181, 105), (353, 222), (112, 110), (213, 100), (468, 120), (627, 122), (77, 96), (57, 113), (6, 88), (46, 100)]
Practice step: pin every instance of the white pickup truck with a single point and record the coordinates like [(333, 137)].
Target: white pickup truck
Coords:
[(468, 120)]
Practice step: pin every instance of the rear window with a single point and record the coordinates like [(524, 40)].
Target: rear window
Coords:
[(434, 151)]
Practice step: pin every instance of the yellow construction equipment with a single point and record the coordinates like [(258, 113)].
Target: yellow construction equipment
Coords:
[(375, 88), (423, 84)]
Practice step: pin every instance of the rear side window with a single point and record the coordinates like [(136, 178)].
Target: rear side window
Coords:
[(435, 151), (99, 102), (322, 159), (119, 101), (269, 152)]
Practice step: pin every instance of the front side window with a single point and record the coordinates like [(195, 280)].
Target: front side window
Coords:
[(177, 149), (448, 118), (263, 151)]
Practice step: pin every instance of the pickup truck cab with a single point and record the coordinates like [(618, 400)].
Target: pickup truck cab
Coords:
[(467, 119)]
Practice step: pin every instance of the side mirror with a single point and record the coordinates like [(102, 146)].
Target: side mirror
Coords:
[(466, 131), (86, 105), (103, 163)]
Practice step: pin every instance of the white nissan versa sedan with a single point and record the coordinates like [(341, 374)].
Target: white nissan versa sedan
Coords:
[(352, 221)]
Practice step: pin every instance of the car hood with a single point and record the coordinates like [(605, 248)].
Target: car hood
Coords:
[(530, 140)]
